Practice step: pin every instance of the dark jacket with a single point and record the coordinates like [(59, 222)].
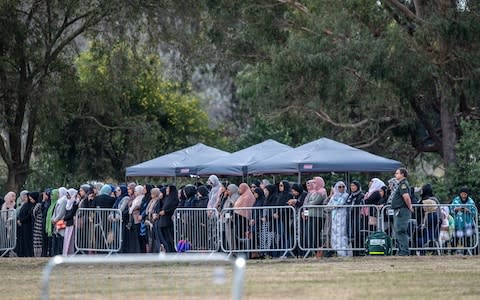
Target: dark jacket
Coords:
[(169, 206), (70, 214), (103, 201)]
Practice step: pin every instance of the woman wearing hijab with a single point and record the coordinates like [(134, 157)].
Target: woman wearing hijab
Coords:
[(24, 228), (339, 238), (242, 215), (318, 219), (37, 216), (428, 228), (232, 196), (46, 202), (212, 220), (48, 220), (22, 198), (355, 219), (376, 195), (166, 213), (190, 192), (133, 226), (267, 234), (144, 234), (464, 213), (104, 198), (151, 216), (282, 217), (255, 222), (298, 197), (69, 219), (157, 238), (58, 223), (121, 203), (8, 218), (212, 196)]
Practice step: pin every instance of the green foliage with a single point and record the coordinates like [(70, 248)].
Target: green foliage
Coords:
[(467, 169), (328, 70), (117, 110)]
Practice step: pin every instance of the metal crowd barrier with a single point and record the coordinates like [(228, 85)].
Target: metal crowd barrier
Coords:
[(98, 230), (8, 231), (169, 276), (196, 230), (263, 230), (340, 228), (439, 228)]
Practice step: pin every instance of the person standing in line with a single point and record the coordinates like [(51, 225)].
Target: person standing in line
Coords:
[(339, 238), (402, 206), (46, 242), (166, 213), (37, 221)]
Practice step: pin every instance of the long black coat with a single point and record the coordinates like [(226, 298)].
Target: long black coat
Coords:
[(25, 231), (169, 206)]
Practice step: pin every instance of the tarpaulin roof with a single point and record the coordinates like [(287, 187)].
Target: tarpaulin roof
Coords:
[(179, 163), (323, 155), (237, 163)]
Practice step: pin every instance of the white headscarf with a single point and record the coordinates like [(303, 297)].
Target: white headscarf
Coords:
[(339, 197), (138, 199), (73, 195), (212, 196), (376, 185)]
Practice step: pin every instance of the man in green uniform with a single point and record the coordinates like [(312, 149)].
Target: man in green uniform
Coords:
[(402, 206)]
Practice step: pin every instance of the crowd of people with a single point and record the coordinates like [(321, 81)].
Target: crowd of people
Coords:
[(46, 220)]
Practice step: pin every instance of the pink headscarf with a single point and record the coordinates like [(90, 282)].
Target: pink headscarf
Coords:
[(246, 199), (320, 185)]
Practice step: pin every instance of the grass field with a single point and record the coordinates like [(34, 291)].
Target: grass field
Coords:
[(427, 277)]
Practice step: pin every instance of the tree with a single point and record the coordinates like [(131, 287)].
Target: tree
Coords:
[(444, 34), (118, 109), (35, 35), (389, 76)]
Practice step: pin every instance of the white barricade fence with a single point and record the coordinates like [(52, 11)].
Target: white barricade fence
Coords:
[(147, 276), (264, 230), (196, 230), (98, 230), (8, 231), (340, 228), (440, 228)]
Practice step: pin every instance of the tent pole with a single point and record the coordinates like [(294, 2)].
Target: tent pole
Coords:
[(299, 177)]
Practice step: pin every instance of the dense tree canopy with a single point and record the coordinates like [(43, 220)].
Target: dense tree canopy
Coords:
[(395, 77)]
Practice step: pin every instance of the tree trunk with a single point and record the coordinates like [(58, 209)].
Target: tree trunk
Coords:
[(447, 121), (17, 175)]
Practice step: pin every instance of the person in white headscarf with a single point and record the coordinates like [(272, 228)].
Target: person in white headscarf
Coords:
[(374, 185), (23, 197), (233, 195), (57, 220), (135, 218), (376, 195), (339, 239), (212, 204), (212, 196), (69, 219)]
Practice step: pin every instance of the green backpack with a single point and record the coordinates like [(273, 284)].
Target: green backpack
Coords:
[(378, 243)]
